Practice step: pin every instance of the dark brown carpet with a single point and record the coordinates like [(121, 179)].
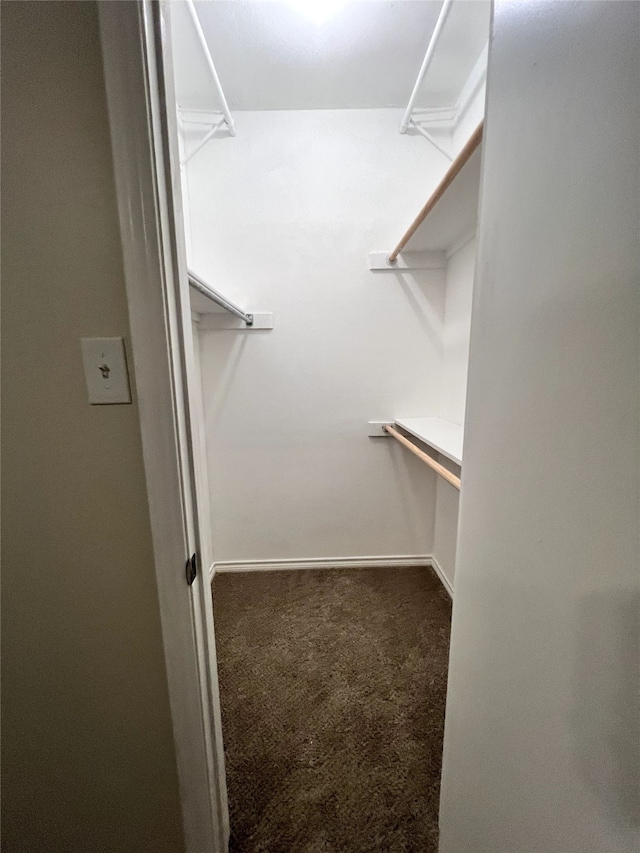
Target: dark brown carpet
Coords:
[(333, 689)]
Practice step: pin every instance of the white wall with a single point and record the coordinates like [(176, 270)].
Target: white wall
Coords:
[(456, 332), (541, 740), (283, 217), (455, 364)]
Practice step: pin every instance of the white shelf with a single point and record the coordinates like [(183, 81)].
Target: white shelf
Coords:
[(443, 436), (455, 215)]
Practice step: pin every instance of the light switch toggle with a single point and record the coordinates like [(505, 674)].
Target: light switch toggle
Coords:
[(105, 367)]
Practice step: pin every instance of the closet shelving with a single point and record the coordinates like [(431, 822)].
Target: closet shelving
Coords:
[(444, 224), (446, 221), (443, 472), (213, 297), (441, 435), (407, 119), (218, 118), (211, 310), (450, 214), (423, 120)]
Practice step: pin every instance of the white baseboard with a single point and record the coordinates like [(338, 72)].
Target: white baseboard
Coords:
[(426, 560), (323, 563), (437, 568)]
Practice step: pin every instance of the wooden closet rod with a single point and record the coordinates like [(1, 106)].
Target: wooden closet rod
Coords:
[(455, 167), (437, 467)]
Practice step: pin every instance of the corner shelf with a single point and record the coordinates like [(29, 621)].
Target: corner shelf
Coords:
[(453, 220), (444, 436), (450, 215)]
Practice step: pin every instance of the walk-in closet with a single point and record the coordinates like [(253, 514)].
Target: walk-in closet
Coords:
[(330, 173), (321, 426)]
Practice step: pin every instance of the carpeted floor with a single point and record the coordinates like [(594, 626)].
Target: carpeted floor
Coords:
[(333, 689)]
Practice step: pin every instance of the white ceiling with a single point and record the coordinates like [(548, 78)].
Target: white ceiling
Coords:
[(270, 56)]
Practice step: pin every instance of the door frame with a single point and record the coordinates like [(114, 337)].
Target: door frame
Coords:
[(137, 70)]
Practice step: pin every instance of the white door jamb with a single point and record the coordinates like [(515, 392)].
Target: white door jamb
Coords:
[(154, 265)]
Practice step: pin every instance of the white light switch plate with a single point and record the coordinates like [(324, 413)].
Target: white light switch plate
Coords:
[(105, 368)]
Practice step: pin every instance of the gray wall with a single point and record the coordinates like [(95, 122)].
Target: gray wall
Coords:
[(541, 741), (88, 757)]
